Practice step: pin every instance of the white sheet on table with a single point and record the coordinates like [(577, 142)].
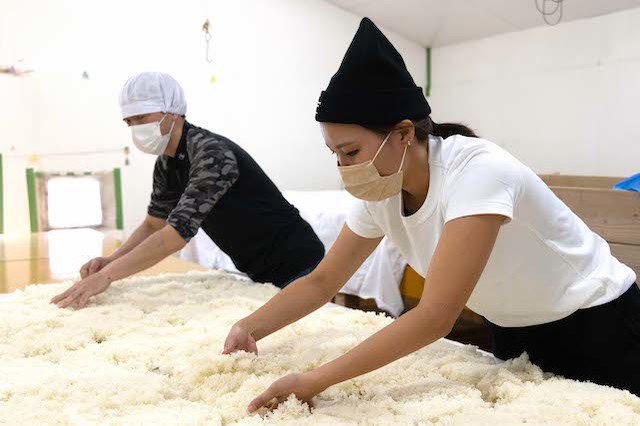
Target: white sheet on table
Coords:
[(379, 276)]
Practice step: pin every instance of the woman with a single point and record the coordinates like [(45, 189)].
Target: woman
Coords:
[(482, 228)]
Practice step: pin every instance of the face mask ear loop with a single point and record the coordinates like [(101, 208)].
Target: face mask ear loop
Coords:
[(403, 155), (380, 149), (172, 125)]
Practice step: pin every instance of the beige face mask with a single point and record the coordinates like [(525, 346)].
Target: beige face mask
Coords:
[(364, 182)]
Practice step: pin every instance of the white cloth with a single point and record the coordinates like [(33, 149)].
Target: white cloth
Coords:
[(152, 92), (546, 263), (379, 276)]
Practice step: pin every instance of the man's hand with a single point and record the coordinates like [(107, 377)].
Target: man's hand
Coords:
[(78, 294), (94, 265)]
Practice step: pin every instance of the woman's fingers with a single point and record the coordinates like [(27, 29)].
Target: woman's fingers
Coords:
[(252, 346), (230, 344), (274, 403), (270, 398), (262, 400), (239, 342)]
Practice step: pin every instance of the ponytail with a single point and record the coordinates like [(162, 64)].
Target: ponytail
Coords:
[(445, 130), (425, 127)]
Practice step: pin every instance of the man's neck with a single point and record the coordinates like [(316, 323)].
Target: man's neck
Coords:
[(176, 135)]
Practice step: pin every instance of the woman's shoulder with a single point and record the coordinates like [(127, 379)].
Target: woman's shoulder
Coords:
[(457, 147), (457, 153)]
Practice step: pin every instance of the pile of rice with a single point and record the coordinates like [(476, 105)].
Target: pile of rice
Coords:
[(148, 352)]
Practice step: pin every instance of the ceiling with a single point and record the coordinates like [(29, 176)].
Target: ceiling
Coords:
[(442, 22)]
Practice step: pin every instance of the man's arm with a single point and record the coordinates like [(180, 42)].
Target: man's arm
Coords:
[(148, 226), (213, 171), (153, 249)]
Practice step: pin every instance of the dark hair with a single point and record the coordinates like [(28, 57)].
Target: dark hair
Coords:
[(426, 127)]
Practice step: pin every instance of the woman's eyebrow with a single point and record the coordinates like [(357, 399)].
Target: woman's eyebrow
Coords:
[(344, 144)]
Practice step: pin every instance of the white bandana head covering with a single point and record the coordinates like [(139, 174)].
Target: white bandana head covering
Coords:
[(152, 92)]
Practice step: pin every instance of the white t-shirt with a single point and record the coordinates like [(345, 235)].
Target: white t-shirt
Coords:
[(546, 263)]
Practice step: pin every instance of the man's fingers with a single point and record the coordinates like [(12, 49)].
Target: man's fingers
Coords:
[(64, 294), (82, 300), (66, 302), (93, 267), (84, 270)]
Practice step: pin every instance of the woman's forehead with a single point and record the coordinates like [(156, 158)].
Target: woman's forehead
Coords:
[(338, 133)]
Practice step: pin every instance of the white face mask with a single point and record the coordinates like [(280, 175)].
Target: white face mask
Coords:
[(149, 139), (364, 182)]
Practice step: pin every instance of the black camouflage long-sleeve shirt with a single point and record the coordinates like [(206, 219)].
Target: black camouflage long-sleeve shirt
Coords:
[(213, 184), (185, 205)]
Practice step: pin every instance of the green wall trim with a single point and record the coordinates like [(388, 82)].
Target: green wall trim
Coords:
[(427, 89), (33, 207), (1, 199), (117, 184)]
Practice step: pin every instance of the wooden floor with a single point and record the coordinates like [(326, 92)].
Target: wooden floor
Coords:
[(57, 256)]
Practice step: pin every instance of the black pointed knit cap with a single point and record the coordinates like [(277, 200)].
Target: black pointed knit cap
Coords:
[(372, 85)]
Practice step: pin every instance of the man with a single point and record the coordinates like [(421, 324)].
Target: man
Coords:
[(201, 180)]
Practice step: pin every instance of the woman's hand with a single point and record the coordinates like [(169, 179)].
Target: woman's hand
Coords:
[(302, 386), (240, 339), (78, 294), (94, 265)]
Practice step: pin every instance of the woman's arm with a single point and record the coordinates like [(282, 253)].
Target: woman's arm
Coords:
[(460, 257), (458, 262), (308, 293)]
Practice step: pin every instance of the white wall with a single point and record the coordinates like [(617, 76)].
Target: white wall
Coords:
[(272, 59), (562, 99)]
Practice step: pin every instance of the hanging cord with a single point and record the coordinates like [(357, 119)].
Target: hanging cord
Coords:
[(34, 156), (547, 13), (207, 39)]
